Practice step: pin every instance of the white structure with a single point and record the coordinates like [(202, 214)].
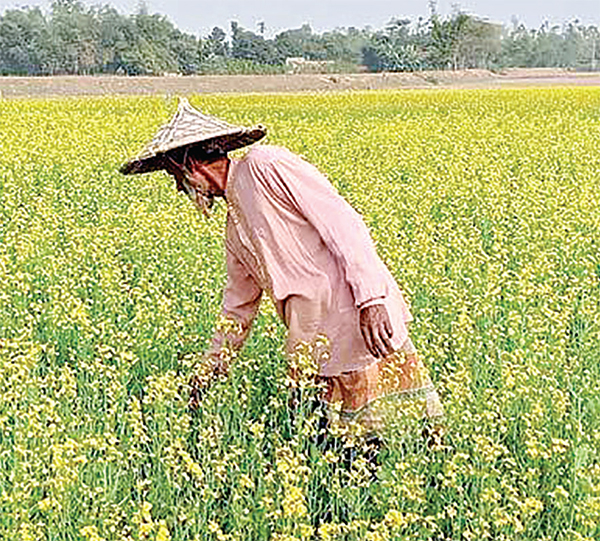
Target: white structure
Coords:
[(299, 64)]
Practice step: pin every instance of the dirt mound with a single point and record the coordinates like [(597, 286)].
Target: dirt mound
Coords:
[(19, 87)]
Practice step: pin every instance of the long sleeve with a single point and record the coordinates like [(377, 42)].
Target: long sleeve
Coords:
[(338, 224), (241, 299)]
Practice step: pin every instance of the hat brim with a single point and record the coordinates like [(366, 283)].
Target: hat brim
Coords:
[(225, 143)]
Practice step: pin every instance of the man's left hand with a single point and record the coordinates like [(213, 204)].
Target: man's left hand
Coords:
[(376, 330)]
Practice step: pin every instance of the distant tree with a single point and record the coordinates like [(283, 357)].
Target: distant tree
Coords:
[(76, 38), (464, 41), (547, 51), (446, 38), (214, 45), (73, 37), (518, 47), (342, 45), (395, 48), (117, 35), (573, 46), (579, 45), (591, 54), (297, 42), (24, 42), (478, 44), (153, 46), (247, 45)]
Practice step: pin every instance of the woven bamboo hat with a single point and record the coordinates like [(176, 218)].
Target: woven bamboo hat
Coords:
[(191, 128)]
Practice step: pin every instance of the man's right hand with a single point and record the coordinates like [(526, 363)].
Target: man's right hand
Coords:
[(376, 330), (210, 369)]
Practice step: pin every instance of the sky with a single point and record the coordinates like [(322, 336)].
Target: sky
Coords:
[(200, 16)]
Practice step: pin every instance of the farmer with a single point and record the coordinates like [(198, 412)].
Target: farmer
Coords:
[(290, 235)]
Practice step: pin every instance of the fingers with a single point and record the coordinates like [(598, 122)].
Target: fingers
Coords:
[(386, 336), (209, 372), (373, 341), (389, 332), (381, 341), (378, 348), (377, 331), (386, 343), (220, 369), (366, 334), (196, 392)]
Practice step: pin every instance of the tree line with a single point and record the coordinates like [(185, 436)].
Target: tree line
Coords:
[(72, 38)]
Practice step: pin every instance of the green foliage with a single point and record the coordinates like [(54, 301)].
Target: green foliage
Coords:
[(574, 46), (246, 45), (484, 206), (25, 42), (236, 66), (397, 48), (215, 45), (76, 39)]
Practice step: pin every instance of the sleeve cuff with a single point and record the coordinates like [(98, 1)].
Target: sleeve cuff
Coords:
[(371, 302)]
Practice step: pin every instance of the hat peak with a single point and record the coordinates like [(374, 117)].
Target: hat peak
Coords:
[(189, 126)]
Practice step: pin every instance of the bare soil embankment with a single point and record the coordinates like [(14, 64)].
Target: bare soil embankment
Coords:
[(22, 87)]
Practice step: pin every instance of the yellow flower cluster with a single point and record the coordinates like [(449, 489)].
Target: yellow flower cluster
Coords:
[(484, 205)]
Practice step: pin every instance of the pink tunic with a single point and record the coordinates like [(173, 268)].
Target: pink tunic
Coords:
[(291, 234)]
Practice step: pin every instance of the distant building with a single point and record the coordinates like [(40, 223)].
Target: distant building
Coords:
[(299, 64)]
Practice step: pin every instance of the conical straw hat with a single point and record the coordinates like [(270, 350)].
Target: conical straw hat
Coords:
[(190, 127)]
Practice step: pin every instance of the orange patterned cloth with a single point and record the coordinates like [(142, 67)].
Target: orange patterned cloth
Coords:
[(373, 396)]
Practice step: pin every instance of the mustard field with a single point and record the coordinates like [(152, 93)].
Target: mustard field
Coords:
[(485, 205)]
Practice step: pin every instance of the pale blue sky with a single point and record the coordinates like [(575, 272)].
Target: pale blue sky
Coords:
[(199, 16)]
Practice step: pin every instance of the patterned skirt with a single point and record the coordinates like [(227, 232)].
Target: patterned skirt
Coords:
[(384, 392)]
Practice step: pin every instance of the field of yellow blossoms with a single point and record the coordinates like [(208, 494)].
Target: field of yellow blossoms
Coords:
[(485, 204)]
